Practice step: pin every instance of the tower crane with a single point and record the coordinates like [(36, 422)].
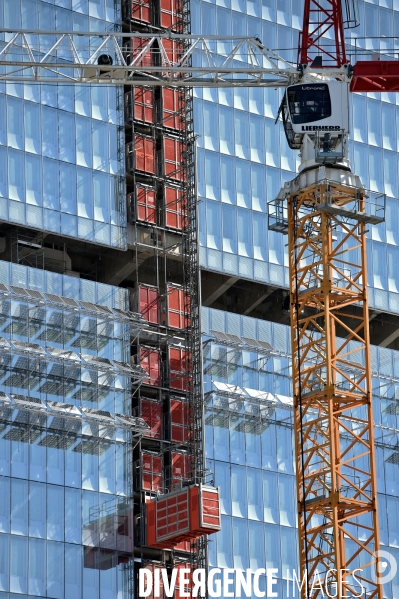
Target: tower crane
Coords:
[(325, 210)]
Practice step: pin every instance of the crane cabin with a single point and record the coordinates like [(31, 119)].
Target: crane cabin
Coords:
[(320, 112)]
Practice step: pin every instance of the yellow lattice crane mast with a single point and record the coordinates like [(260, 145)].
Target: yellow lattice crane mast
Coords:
[(325, 212), (338, 526)]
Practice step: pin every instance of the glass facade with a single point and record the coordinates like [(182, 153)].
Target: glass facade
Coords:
[(253, 159), (249, 443), (59, 159), (65, 468)]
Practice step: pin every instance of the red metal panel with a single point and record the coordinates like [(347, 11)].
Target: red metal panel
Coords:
[(180, 467), (144, 148), (149, 303), (174, 151), (179, 377), (183, 546), (151, 472), (150, 360), (135, 52), (173, 106), (174, 212), (183, 592), (180, 516), (141, 10), (144, 104), (173, 515), (151, 412), (177, 303), (174, 50), (153, 567), (146, 204), (170, 14), (375, 76), (210, 508), (179, 421)]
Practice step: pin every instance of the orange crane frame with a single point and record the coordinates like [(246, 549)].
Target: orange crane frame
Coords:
[(336, 482)]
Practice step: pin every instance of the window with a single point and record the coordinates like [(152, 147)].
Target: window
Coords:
[(226, 130), (211, 133), (66, 136), (15, 122), (32, 128), (243, 183), (225, 544), (240, 544), (238, 491), (393, 269), (257, 139), (359, 118), (309, 103), (33, 169), (227, 170), (244, 232), (213, 224), (374, 122), (254, 482), (222, 480), (229, 229)]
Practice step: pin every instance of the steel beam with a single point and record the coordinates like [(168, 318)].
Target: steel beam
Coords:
[(144, 59)]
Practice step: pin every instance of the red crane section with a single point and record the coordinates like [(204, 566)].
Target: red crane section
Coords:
[(375, 76), (322, 19)]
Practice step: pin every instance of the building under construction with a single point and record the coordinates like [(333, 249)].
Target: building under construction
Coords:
[(146, 345)]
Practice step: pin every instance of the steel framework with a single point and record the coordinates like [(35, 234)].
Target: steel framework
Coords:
[(319, 18), (211, 61), (336, 481)]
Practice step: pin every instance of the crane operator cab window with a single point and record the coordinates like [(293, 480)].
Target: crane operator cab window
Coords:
[(309, 103)]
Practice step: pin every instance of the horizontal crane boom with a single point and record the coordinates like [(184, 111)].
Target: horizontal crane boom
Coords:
[(144, 59)]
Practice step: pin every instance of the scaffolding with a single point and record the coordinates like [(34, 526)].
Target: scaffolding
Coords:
[(161, 197)]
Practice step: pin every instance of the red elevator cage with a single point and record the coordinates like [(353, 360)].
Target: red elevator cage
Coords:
[(134, 51), (148, 303), (144, 154), (146, 199), (180, 415), (179, 369), (177, 307), (151, 412), (173, 154), (172, 106), (141, 10), (182, 515), (171, 14), (174, 209), (180, 468), (149, 472), (150, 360), (140, 104)]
